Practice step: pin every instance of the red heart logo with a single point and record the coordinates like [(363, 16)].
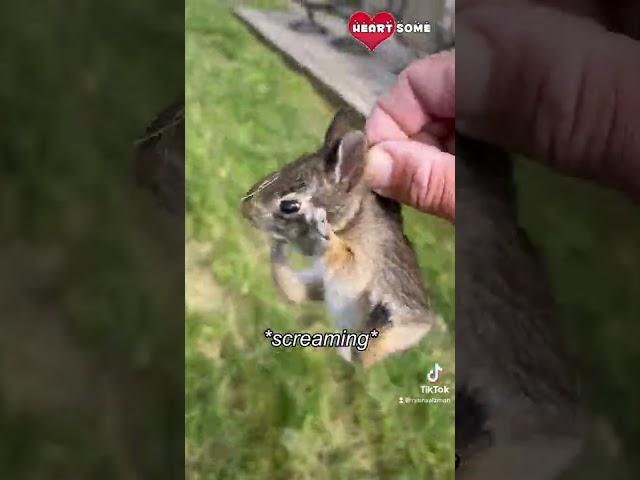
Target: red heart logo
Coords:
[(372, 31)]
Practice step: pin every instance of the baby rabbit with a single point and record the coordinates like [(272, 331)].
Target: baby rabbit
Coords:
[(364, 267), (518, 409)]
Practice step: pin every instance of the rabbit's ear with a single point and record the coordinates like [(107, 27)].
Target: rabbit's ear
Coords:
[(345, 162), (345, 120)]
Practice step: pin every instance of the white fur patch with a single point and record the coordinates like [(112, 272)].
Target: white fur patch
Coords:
[(343, 305), (342, 300)]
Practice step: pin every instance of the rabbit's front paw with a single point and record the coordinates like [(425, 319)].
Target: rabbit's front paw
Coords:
[(321, 223)]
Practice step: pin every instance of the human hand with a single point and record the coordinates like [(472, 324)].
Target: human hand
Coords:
[(411, 130), (555, 83)]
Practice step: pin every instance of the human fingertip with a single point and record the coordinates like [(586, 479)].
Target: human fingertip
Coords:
[(378, 168)]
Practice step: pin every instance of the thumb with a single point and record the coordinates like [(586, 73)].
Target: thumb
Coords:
[(414, 173), (556, 87)]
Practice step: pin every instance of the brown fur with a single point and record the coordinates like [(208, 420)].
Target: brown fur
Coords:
[(364, 254), (520, 417)]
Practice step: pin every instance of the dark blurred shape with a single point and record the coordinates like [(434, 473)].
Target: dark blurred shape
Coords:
[(160, 158), (310, 24), (623, 16), (471, 421), (560, 102), (91, 269), (517, 398)]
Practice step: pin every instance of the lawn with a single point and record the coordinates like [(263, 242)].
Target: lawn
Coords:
[(589, 240), (90, 353), (252, 411)]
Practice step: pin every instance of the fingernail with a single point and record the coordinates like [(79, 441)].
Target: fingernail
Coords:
[(473, 74), (378, 169)]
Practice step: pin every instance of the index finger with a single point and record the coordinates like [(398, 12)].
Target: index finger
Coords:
[(425, 91)]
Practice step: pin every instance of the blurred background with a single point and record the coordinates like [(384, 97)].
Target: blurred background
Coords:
[(91, 270), (252, 411), (92, 273)]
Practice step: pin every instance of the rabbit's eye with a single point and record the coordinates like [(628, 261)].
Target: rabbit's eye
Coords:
[(289, 206)]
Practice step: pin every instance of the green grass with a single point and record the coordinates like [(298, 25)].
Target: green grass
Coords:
[(589, 237), (252, 411), (89, 357)]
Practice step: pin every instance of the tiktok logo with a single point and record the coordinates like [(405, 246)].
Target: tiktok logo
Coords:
[(434, 374)]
